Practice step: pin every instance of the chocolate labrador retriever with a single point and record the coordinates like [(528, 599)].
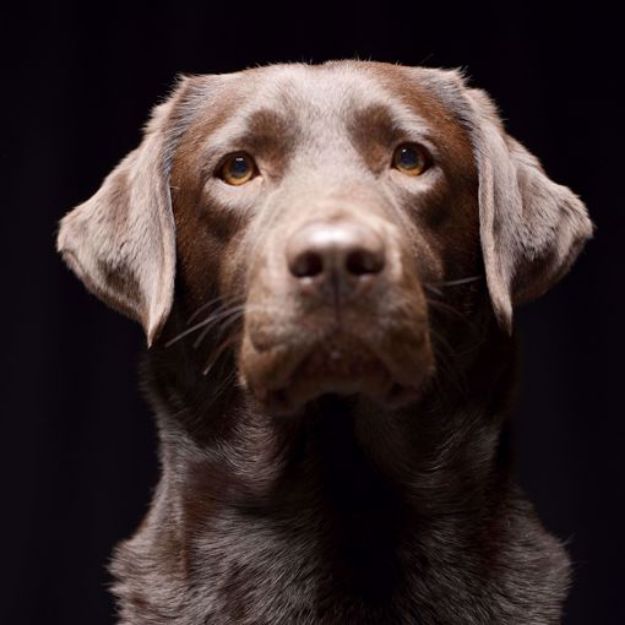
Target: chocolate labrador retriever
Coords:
[(325, 260)]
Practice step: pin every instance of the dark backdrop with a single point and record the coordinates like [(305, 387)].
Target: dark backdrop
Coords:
[(77, 446)]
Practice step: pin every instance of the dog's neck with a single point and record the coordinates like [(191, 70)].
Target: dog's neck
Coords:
[(361, 506)]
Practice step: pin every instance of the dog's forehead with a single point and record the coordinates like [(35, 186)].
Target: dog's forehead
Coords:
[(331, 88), (321, 103)]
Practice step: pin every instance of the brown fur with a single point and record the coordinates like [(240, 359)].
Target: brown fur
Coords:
[(333, 439)]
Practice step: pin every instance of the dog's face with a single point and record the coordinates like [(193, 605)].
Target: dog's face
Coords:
[(332, 194), (325, 205)]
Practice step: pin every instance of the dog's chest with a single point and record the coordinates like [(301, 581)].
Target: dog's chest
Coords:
[(293, 572)]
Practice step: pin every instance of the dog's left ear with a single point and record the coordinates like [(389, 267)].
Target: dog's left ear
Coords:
[(531, 228), (121, 241)]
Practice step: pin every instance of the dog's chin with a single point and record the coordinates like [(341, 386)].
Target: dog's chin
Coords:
[(341, 365)]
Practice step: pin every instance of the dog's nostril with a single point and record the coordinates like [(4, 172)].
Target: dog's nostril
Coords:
[(340, 252), (361, 261), (307, 265)]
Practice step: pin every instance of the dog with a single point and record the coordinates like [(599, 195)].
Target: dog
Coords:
[(325, 261)]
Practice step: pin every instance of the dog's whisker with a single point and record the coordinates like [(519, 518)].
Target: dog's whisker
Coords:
[(439, 306), (203, 334), (432, 289), (217, 353), (225, 311), (442, 305), (211, 319), (203, 307), (458, 282), (215, 318), (186, 332), (225, 325)]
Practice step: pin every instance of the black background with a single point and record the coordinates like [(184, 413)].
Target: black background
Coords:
[(77, 445)]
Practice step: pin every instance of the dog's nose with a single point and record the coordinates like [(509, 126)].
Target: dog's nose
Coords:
[(339, 254)]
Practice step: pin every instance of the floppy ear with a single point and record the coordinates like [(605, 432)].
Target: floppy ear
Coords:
[(531, 228), (120, 242)]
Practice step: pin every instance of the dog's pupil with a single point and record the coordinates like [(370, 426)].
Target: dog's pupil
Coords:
[(239, 167), (408, 157)]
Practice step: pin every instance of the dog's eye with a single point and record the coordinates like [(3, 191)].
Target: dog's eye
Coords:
[(411, 159), (238, 168)]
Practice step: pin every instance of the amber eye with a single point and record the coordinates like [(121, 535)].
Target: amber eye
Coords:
[(238, 168), (411, 159)]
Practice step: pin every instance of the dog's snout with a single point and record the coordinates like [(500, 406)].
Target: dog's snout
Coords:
[(335, 251)]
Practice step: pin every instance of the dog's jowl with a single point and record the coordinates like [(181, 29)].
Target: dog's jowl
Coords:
[(325, 261)]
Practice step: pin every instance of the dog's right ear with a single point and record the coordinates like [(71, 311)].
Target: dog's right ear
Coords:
[(121, 241)]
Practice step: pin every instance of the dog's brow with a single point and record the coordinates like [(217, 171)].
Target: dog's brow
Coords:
[(374, 124), (377, 128), (267, 131), (261, 132)]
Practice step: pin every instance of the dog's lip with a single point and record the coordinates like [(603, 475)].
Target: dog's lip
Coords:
[(340, 364)]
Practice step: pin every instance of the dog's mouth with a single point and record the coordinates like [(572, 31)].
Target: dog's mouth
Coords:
[(284, 379)]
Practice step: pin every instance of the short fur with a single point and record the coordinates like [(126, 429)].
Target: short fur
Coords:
[(283, 500)]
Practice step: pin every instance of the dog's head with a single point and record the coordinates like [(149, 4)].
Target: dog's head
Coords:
[(319, 210)]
